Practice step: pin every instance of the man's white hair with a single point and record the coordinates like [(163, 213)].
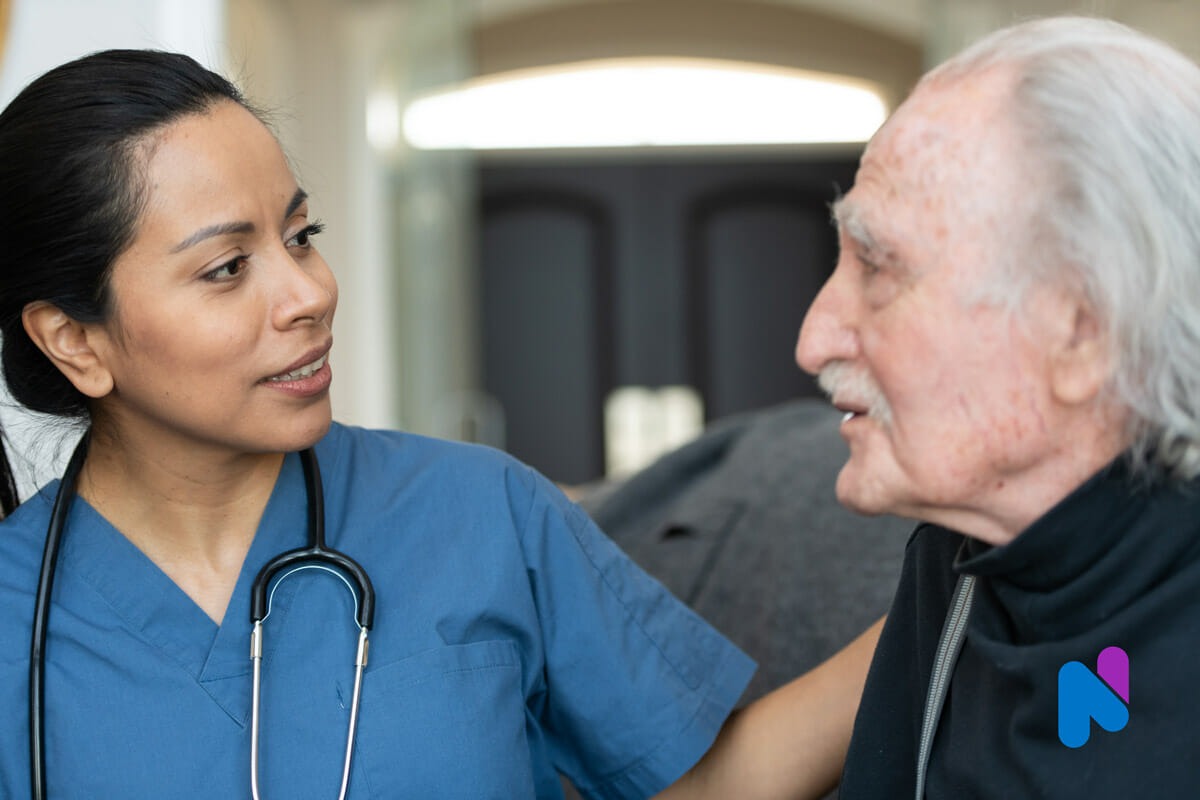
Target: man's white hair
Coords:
[(1110, 119)]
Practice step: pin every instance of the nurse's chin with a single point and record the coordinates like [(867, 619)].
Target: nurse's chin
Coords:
[(301, 435)]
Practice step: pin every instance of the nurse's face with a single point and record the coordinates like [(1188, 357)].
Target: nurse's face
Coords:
[(221, 328)]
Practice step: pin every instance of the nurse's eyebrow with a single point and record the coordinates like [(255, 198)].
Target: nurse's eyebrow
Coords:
[(222, 229), (226, 228), (297, 200)]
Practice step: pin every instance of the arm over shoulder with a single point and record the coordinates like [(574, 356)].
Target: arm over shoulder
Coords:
[(637, 684)]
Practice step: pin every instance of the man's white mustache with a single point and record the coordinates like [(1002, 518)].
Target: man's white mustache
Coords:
[(849, 385)]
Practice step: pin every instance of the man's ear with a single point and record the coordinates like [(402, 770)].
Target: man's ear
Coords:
[(72, 346), (1080, 359)]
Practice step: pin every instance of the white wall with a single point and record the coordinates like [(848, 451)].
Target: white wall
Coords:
[(43, 34), (313, 65)]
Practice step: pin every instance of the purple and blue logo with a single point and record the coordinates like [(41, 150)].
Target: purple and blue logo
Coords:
[(1084, 696)]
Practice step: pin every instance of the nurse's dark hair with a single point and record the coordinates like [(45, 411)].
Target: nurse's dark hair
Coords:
[(72, 188)]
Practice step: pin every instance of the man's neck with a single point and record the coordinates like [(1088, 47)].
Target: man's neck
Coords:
[(1084, 445)]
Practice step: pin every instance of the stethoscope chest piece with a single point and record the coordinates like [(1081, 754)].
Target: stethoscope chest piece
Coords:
[(316, 556)]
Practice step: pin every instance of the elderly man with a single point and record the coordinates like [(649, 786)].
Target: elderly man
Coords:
[(1013, 334), (1013, 331)]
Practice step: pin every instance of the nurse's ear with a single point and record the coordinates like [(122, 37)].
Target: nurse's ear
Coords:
[(72, 346)]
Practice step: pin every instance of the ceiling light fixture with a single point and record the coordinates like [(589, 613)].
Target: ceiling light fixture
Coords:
[(645, 102)]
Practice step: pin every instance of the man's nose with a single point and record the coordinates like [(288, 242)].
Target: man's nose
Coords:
[(827, 333)]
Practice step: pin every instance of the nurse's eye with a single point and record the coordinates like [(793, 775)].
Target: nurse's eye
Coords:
[(230, 269), (303, 238)]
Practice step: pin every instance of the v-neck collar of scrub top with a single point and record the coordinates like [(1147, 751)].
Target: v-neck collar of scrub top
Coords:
[(156, 608)]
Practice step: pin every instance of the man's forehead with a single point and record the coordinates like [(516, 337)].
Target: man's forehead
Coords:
[(942, 130), (941, 161), (912, 154)]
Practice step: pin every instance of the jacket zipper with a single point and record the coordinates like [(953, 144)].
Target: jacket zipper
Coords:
[(954, 633)]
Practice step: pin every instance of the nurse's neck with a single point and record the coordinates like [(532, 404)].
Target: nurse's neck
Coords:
[(191, 507)]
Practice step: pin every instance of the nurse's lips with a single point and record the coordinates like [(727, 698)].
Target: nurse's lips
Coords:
[(308, 375)]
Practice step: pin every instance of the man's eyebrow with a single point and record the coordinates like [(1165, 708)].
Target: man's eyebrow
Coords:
[(226, 228), (850, 221), (869, 242)]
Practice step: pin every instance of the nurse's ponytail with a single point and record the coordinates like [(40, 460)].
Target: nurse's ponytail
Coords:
[(8, 484), (72, 189)]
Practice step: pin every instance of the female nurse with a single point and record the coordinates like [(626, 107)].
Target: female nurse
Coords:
[(159, 282)]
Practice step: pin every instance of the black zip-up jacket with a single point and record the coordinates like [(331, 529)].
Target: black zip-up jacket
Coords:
[(1116, 563)]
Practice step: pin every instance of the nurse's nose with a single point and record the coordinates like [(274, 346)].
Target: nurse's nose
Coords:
[(829, 332), (304, 291)]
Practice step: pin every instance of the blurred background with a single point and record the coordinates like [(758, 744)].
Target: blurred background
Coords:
[(546, 238)]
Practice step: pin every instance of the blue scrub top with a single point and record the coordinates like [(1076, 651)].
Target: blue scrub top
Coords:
[(511, 640)]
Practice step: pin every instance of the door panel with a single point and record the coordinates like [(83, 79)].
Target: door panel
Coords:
[(758, 256), (546, 337), (604, 273)]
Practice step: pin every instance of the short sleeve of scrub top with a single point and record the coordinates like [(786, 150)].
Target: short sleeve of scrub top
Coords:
[(512, 641)]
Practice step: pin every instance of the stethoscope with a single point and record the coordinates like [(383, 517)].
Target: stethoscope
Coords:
[(315, 556)]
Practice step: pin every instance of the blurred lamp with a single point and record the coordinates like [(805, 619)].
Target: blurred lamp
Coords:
[(645, 102)]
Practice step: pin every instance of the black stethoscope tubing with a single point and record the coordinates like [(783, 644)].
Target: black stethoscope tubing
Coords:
[(41, 619), (315, 551)]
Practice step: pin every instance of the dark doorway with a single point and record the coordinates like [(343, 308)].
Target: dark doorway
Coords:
[(608, 273)]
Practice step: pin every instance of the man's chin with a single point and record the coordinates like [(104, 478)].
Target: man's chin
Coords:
[(858, 493)]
